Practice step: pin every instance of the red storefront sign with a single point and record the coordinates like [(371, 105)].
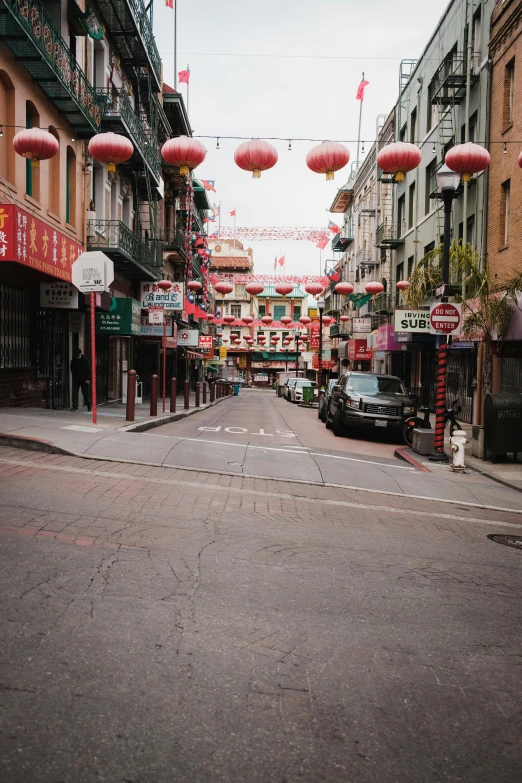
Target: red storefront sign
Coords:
[(327, 364), (314, 334), (27, 240), (358, 351)]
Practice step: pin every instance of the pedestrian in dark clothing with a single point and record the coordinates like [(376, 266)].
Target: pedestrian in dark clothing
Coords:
[(81, 375)]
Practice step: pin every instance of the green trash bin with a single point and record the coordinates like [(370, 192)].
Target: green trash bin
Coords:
[(308, 394)]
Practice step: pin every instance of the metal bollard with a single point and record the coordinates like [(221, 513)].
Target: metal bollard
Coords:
[(131, 395), (173, 392), (204, 393), (218, 390), (212, 391), (186, 395), (153, 395), (198, 392)]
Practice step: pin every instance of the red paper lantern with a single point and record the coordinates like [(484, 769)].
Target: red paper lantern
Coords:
[(467, 159), (327, 158), (275, 339), (398, 158), (314, 288), (194, 285), (327, 320), (251, 348), (520, 160), (254, 289), (237, 341), (304, 320), (255, 156), (224, 288), (344, 318), (283, 288), (224, 339), (344, 289), (165, 285), (267, 319), (35, 144), (185, 152), (247, 319), (285, 319), (272, 350), (403, 285), (374, 288), (111, 149), (229, 319)]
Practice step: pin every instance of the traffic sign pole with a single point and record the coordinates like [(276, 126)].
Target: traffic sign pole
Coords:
[(93, 359)]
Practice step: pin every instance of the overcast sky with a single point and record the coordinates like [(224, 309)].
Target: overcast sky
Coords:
[(304, 85)]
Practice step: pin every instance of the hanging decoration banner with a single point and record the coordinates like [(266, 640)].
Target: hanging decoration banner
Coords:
[(235, 278), (272, 233)]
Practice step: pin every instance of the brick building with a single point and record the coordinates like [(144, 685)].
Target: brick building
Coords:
[(504, 235)]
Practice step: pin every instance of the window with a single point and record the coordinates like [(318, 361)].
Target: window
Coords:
[(509, 92), (431, 113), (401, 209), (503, 239), (70, 187), (404, 131), (235, 310), (429, 248), (262, 310), (279, 312), (470, 230), (411, 262), (7, 112), (430, 184), (411, 204), (476, 42), (32, 173), (472, 129), (297, 312), (399, 271), (413, 126), (54, 177)]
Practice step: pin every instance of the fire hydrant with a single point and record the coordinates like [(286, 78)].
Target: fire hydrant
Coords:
[(458, 441)]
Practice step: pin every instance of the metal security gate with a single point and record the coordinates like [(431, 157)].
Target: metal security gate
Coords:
[(512, 375), (427, 392), (53, 354), (462, 371)]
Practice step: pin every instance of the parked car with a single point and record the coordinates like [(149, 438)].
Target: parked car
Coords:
[(368, 400), (240, 381), (288, 385), (325, 398), (296, 391)]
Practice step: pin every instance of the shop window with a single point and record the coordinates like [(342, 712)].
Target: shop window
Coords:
[(7, 115), (70, 187)]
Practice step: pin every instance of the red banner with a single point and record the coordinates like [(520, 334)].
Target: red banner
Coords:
[(27, 240), (359, 351)]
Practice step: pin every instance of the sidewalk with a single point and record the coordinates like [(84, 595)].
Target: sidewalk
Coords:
[(73, 431)]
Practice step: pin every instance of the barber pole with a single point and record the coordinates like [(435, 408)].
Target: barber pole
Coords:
[(440, 406)]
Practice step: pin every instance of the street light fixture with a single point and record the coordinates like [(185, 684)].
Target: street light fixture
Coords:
[(448, 182), (320, 307)]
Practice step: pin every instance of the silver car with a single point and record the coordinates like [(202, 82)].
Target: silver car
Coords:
[(288, 386)]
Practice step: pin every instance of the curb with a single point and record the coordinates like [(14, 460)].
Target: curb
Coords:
[(151, 424), (493, 477), (32, 444), (400, 453)]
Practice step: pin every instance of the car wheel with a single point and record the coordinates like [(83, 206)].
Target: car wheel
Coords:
[(337, 425)]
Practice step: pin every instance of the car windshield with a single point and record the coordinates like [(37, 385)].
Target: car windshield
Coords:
[(373, 384), (307, 383)]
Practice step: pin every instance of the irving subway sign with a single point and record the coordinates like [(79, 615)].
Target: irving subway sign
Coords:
[(417, 321)]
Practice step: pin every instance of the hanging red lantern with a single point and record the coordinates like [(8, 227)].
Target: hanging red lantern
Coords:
[(398, 158), (110, 149), (283, 288), (229, 319), (304, 320), (327, 158), (272, 350), (403, 285), (251, 348), (267, 319), (467, 159), (194, 285), (313, 288), (35, 144), (255, 156), (285, 319), (238, 341), (327, 320), (165, 285), (247, 319), (275, 338), (374, 288), (344, 289), (520, 160), (344, 318), (223, 287), (185, 152), (254, 289), (224, 339)]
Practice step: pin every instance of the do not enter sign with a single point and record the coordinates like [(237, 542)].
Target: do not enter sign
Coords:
[(445, 318)]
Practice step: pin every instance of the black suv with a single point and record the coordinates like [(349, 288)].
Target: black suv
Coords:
[(363, 399)]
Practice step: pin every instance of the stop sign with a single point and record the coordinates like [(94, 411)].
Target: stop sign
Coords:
[(445, 318)]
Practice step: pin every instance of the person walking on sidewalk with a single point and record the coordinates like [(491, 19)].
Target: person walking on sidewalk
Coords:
[(81, 376)]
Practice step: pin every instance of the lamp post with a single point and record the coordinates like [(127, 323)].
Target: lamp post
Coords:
[(448, 182), (320, 307), (297, 335)]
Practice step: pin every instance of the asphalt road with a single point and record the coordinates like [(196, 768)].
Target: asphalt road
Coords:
[(163, 625)]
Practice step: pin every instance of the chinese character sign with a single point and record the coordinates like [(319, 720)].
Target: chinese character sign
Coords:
[(27, 240), (59, 295), (153, 296)]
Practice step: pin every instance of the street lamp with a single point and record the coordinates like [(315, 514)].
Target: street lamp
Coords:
[(448, 182), (320, 307), (297, 335)]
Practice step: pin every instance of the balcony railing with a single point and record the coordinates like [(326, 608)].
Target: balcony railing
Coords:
[(340, 330), (383, 303), (173, 239), (119, 111), (117, 240), (389, 235), (36, 43)]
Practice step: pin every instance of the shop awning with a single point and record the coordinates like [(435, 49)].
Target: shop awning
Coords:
[(212, 369), (193, 355)]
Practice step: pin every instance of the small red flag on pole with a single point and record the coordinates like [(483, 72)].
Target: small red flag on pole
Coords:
[(184, 76), (360, 90), (169, 3)]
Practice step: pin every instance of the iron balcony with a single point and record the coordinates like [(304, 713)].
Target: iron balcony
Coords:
[(340, 330), (389, 235), (131, 255), (341, 244), (35, 42)]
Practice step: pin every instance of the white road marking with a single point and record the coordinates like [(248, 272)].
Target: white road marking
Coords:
[(284, 496), (78, 428)]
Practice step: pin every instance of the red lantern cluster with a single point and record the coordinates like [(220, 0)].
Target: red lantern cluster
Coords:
[(185, 152), (398, 158), (35, 144), (467, 159), (327, 158), (110, 149), (256, 156)]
